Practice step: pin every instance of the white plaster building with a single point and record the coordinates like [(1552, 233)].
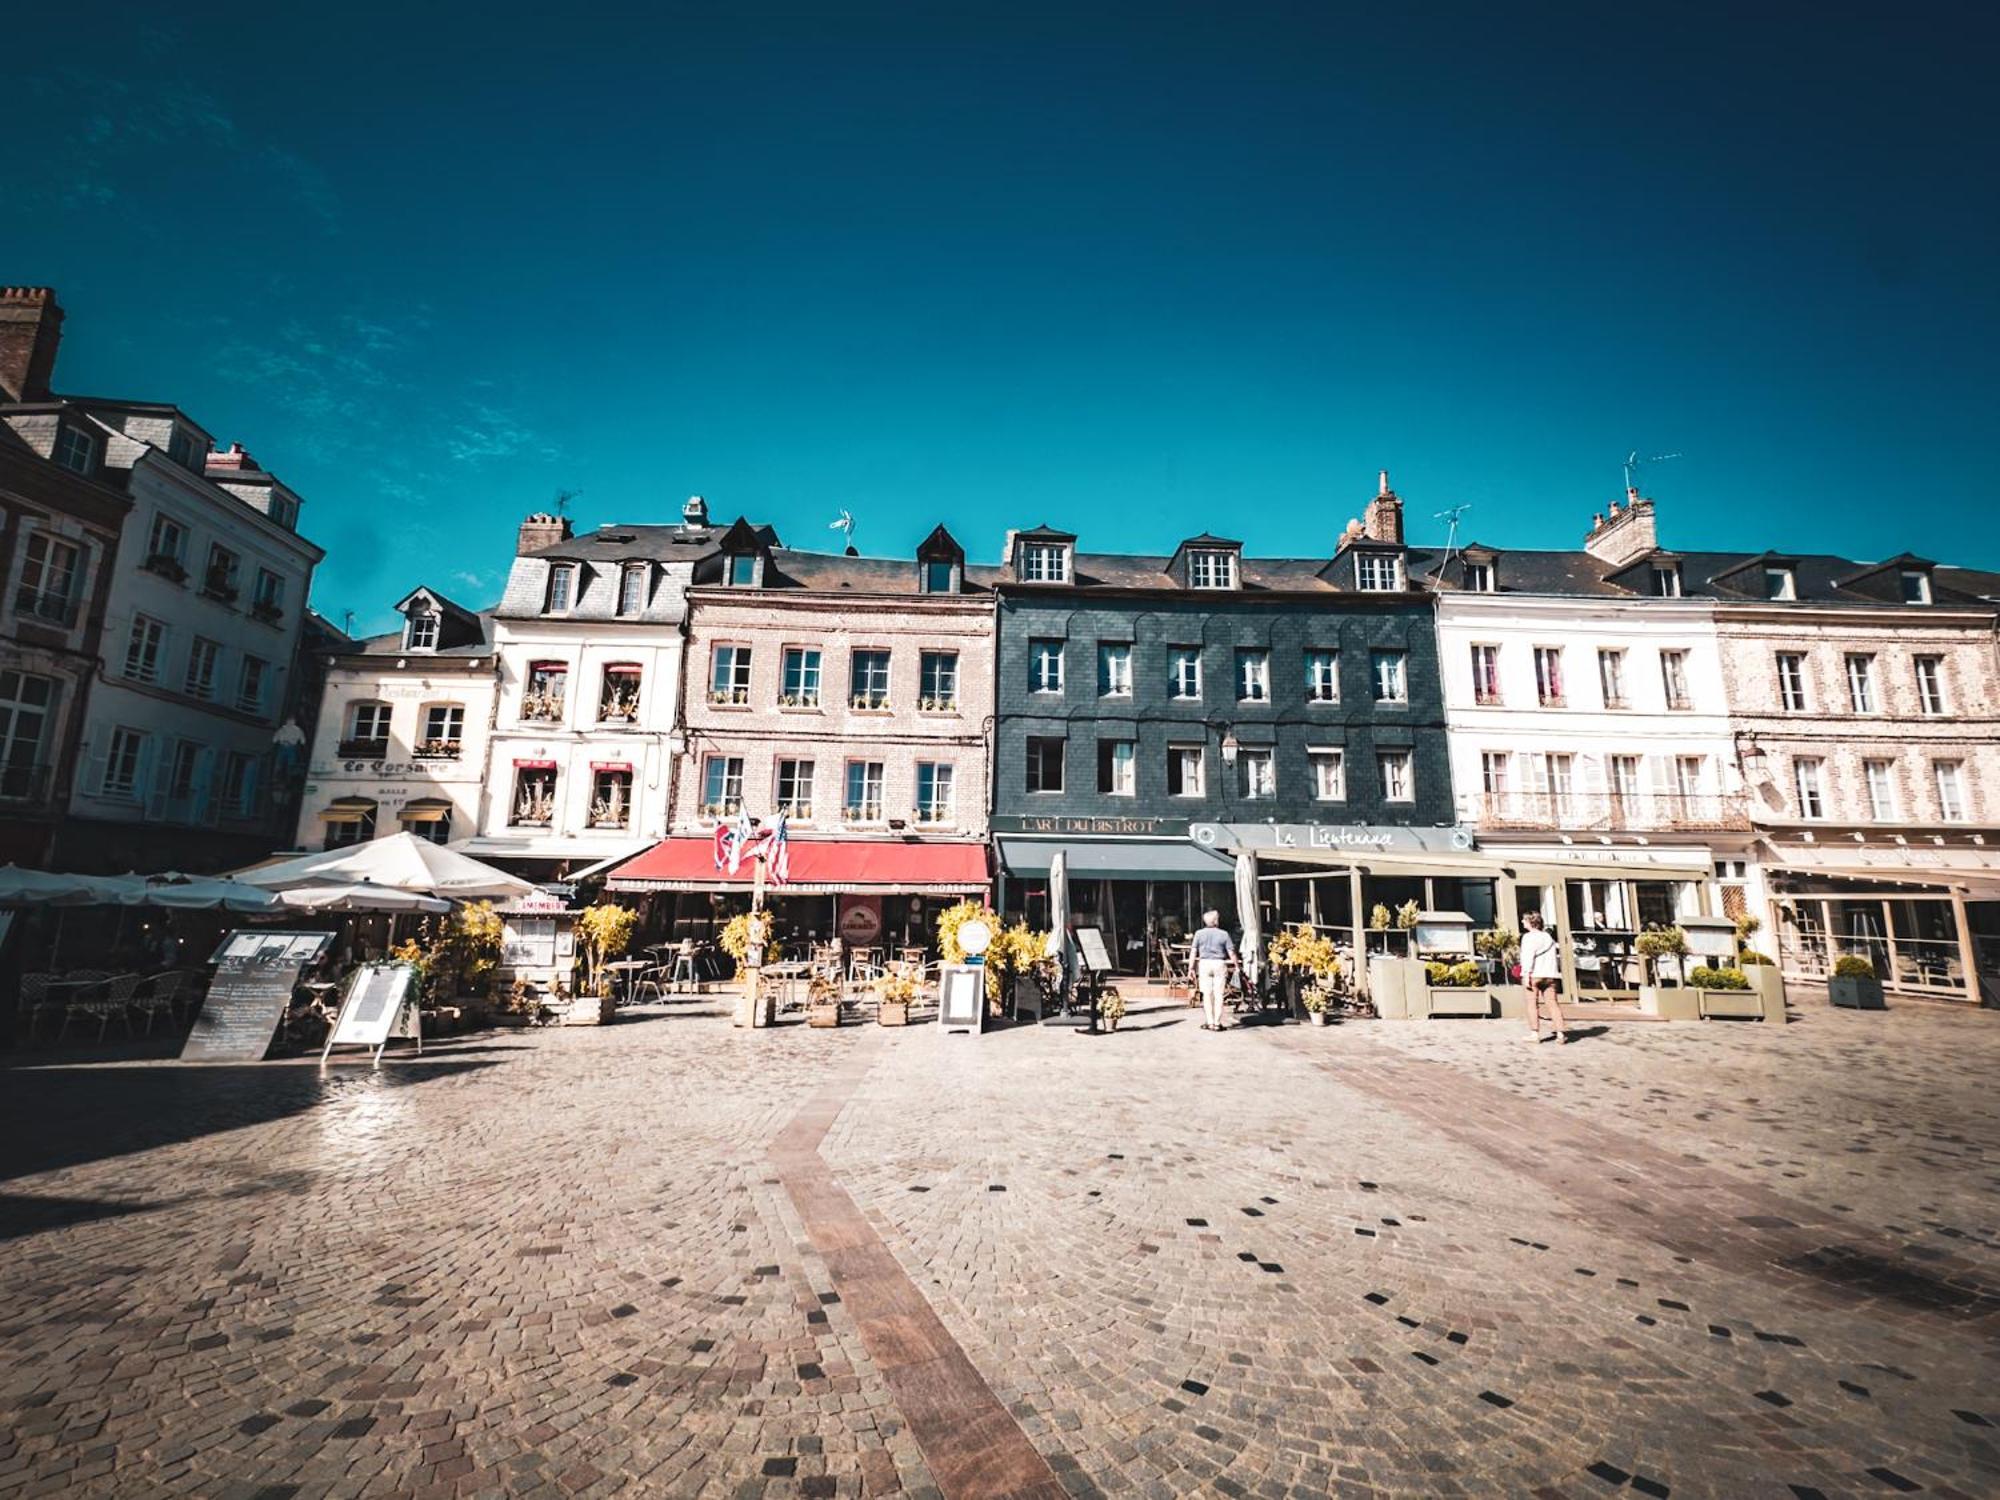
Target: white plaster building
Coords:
[(402, 739), (589, 639)]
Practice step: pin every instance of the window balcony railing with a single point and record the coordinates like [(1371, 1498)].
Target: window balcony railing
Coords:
[(25, 783), (45, 609), (544, 708), (1611, 812), (437, 750), (373, 749), (167, 566)]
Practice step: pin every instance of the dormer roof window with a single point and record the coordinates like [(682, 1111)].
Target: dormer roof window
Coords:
[(1780, 582), (75, 449), (420, 631), (1478, 569), (743, 548), (1916, 585), (940, 564), (1378, 572), (1043, 562), (562, 588), (741, 570), (1665, 580), (1211, 568)]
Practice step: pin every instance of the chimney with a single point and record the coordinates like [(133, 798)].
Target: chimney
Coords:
[(30, 330), (233, 459), (1628, 532), (695, 512), (1383, 520), (543, 530)]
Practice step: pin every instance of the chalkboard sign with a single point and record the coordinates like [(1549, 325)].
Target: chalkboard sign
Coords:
[(1095, 958), (254, 975), (962, 996), (380, 1003)]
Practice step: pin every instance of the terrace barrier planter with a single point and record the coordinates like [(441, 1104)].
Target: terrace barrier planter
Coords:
[(1855, 992), (1458, 1000), (823, 1015), (893, 1013), (1669, 1002)]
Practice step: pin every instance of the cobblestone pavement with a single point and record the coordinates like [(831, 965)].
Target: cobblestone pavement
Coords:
[(672, 1258)]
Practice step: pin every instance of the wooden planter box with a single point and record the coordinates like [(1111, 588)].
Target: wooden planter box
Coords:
[(893, 1013), (823, 1015), (1855, 993)]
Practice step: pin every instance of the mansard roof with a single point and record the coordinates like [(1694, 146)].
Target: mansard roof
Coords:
[(790, 571)]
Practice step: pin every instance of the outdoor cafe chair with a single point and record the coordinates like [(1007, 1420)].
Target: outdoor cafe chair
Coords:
[(161, 993), (35, 1001), (112, 998), (864, 966), (685, 970)]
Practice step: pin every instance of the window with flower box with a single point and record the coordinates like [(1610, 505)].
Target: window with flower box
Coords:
[(795, 789), (367, 732), (864, 791), (729, 677), (444, 732), (798, 685), (722, 786), (937, 682), (868, 680), (934, 792), (618, 694), (610, 796), (545, 692), (534, 804)]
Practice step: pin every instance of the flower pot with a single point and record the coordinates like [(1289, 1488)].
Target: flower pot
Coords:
[(823, 1015), (1856, 992), (1111, 1023), (893, 1013), (1317, 1017)]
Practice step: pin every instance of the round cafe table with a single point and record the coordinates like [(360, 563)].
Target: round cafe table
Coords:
[(627, 971)]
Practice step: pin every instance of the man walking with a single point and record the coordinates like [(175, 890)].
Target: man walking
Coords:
[(1214, 953)]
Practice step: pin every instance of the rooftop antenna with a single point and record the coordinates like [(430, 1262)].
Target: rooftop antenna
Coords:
[(1450, 518), (845, 524), (563, 498), (1632, 463), (347, 622)]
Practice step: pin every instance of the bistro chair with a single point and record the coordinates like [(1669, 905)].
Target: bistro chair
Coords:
[(864, 966), (112, 998), (35, 1001), (162, 993), (685, 970)]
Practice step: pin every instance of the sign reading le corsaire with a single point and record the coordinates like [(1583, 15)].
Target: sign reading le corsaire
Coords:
[(1348, 838)]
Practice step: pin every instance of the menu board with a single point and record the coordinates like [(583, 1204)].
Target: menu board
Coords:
[(1095, 958), (377, 998), (962, 996), (255, 972)]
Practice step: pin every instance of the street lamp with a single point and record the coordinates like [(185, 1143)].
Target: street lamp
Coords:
[(1230, 746)]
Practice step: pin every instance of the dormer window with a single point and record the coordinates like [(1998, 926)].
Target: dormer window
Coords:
[(1666, 579), (1211, 569), (1780, 583), (1044, 562), (76, 449), (940, 578), (1916, 586), (632, 589), (562, 588), (1378, 572), (1479, 577), (741, 570), (420, 632)]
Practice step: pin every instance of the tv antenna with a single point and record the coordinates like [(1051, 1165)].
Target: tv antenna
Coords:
[(1632, 463), (1451, 519), (844, 524), (563, 498)]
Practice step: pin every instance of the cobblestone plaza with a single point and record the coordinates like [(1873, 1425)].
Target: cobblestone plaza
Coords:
[(668, 1257)]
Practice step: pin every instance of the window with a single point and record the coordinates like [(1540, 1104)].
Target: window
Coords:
[(1666, 580), (1116, 765), (800, 688), (1398, 777), (741, 570), (184, 772), (937, 682), (428, 820), (167, 542), (250, 687), (1386, 671), (721, 786), (239, 786), (729, 677), (1044, 562), (1486, 675), (181, 449), (937, 577), (1253, 676), (1930, 684), (534, 804), (1881, 778), (444, 732), (367, 730), (1256, 775), (1949, 775), (1329, 774), (351, 824), (1045, 763), (1479, 577), (1378, 572), (1184, 669), (868, 679), (1611, 678), (1555, 780), (632, 588), (202, 657), (1688, 773), (76, 449), (1916, 586), (1812, 794), (122, 762), (420, 631), (795, 788), (618, 693), (1045, 666), (1185, 771), (1114, 670), (267, 599), (934, 792), (1549, 676), (1624, 777), (1861, 682), (547, 688), (1496, 772), (1779, 584), (1791, 682), (1211, 570), (562, 588), (1322, 677), (1674, 678), (49, 574), (610, 796), (864, 791), (220, 580), (144, 648), (26, 704)]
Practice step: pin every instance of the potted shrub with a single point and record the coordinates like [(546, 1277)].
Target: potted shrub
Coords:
[(823, 998), (1456, 989), (1655, 998), (895, 993), (1722, 991), (1854, 984), (742, 933), (1316, 1001), (1110, 1008), (1305, 959)]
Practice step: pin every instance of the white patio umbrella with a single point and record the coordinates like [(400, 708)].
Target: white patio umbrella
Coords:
[(1251, 946), (1059, 914), (363, 896), (402, 861), (19, 887), (178, 892)]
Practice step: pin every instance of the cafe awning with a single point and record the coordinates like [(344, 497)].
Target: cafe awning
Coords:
[(1114, 859), (819, 867), (347, 810), (1972, 873), (426, 810)]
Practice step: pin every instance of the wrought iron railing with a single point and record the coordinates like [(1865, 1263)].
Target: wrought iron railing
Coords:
[(1639, 812)]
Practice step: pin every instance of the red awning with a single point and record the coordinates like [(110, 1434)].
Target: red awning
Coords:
[(820, 867)]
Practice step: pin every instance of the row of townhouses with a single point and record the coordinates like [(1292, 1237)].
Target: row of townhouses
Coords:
[(1617, 735), (158, 663)]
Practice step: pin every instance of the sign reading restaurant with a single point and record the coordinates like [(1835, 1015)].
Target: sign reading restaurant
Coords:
[(1356, 838)]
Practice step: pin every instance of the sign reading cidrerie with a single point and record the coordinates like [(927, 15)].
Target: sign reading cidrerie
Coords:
[(380, 1002)]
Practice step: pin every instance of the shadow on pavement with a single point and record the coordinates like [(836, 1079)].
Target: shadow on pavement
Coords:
[(22, 1215), (54, 1117)]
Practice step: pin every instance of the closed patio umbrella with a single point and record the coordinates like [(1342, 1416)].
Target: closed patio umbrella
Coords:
[(1251, 944), (1059, 914)]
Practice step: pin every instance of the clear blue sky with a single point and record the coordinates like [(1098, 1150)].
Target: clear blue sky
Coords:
[(1139, 269)]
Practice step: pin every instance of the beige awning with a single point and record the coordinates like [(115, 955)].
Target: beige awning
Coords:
[(1973, 873), (428, 810), (348, 810), (1489, 865)]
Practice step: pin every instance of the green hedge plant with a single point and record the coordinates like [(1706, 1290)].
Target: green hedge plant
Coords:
[(1702, 977), (1853, 966)]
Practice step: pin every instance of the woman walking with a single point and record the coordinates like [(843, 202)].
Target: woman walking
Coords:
[(1541, 969), (1214, 952)]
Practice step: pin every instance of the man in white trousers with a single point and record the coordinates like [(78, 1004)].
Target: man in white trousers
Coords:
[(1214, 952)]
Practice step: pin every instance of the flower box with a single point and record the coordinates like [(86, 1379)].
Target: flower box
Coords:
[(893, 1013), (1855, 992), (825, 1013)]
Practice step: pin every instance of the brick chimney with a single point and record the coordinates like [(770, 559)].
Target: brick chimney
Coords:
[(1383, 520), (233, 458), (543, 530), (30, 330), (1625, 533)]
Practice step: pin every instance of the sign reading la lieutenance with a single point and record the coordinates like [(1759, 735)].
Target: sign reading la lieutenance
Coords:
[(1354, 838)]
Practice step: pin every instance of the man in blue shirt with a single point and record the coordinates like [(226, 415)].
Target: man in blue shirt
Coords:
[(1214, 953)]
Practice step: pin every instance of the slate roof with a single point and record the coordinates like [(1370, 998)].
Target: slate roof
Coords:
[(788, 569), (390, 643)]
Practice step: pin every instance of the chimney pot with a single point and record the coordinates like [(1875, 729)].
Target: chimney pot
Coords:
[(1626, 534), (30, 332), (543, 530), (695, 512), (1383, 520)]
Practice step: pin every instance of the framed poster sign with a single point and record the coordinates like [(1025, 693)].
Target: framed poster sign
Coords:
[(1090, 940), (255, 972), (962, 997), (381, 1002)]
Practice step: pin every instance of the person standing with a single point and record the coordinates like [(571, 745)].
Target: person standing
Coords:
[(1214, 952), (1541, 971)]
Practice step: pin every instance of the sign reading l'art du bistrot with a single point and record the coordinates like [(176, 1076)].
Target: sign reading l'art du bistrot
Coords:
[(1346, 838)]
